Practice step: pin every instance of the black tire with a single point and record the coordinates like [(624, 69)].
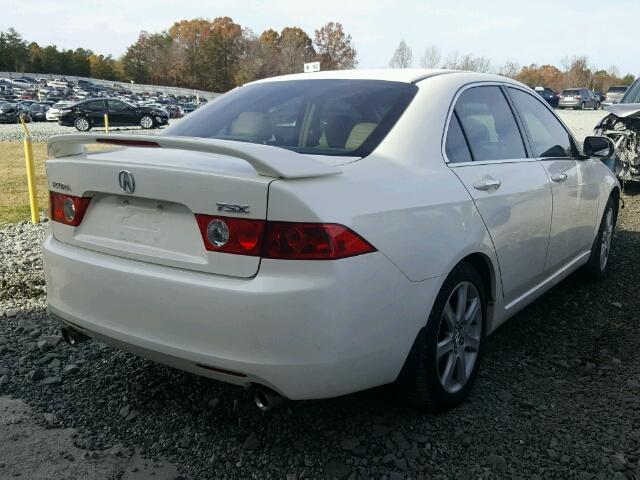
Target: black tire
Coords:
[(420, 378), (82, 124), (147, 122), (594, 269)]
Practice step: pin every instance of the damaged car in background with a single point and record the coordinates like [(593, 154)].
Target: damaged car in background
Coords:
[(622, 125)]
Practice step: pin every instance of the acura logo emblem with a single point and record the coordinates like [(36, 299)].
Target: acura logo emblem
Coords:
[(126, 181)]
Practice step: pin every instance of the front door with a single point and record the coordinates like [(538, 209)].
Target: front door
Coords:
[(573, 182), (118, 113), (486, 150)]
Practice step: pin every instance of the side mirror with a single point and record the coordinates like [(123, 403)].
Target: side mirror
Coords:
[(599, 147)]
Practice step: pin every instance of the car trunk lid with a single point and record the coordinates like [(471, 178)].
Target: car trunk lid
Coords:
[(155, 220)]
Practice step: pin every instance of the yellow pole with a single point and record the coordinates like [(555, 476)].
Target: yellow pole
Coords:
[(106, 123), (31, 174)]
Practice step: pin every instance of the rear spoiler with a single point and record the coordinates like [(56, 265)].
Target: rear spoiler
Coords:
[(268, 161)]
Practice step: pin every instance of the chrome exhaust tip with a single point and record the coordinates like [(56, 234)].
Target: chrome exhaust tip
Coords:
[(267, 400), (73, 337)]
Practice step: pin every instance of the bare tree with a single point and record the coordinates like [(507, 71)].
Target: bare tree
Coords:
[(431, 57), (474, 64), (402, 57), (452, 61), (509, 69)]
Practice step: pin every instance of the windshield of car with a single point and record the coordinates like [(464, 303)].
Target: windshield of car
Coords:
[(633, 94), (570, 93), (322, 117)]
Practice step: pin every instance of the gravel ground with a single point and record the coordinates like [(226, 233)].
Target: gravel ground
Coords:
[(557, 396)]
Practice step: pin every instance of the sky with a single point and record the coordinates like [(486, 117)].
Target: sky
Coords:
[(526, 32)]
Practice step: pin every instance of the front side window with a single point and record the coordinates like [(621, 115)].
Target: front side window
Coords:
[(115, 105), (549, 139), (489, 125), (322, 117)]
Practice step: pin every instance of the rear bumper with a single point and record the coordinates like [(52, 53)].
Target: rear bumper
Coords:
[(569, 104), (305, 329)]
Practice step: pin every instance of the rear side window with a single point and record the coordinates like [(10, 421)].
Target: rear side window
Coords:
[(456, 146), (323, 117), (548, 137), (489, 125)]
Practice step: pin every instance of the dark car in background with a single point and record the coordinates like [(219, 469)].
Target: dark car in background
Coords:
[(10, 112), (90, 113), (614, 95), (578, 99), (38, 112), (551, 97)]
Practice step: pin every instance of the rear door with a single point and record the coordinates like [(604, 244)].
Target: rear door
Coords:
[(574, 182), (485, 149), (94, 110)]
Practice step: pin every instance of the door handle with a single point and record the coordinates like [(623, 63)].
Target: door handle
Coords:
[(558, 177), (487, 184)]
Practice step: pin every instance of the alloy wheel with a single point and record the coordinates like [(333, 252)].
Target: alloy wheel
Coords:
[(459, 335), (146, 122), (607, 235), (82, 124)]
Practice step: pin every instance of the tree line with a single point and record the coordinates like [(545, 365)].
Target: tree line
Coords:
[(573, 72), (215, 55)]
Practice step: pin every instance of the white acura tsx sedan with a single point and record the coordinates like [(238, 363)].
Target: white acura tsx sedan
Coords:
[(318, 234)]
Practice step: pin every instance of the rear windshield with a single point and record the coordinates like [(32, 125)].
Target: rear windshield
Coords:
[(322, 117), (570, 92), (617, 90)]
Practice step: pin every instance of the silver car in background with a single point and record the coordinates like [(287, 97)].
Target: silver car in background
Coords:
[(614, 95), (578, 99)]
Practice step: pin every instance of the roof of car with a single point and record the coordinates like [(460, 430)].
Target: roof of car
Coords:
[(406, 75)]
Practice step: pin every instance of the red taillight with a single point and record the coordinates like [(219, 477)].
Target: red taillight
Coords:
[(231, 235), (68, 209), (280, 240), (312, 241)]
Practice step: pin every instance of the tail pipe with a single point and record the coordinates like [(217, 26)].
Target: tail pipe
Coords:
[(73, 336), (266, 399)]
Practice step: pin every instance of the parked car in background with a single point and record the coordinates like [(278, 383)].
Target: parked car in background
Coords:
[(10, 112), (20, 83), (578, 99), (38, 112), (306, 236), (90, 113), (53, 114), (614, 95), (551, 97), (175, 111), (188, 107)]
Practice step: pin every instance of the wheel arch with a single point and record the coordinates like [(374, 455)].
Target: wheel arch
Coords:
[(615, 194)]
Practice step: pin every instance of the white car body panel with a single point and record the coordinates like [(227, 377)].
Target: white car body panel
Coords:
[(312, 329)]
